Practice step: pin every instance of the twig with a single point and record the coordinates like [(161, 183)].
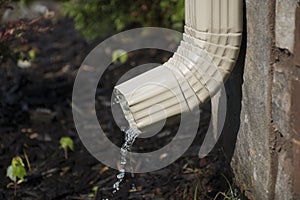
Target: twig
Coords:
[(27, 161)]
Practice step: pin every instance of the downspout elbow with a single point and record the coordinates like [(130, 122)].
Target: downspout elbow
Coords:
[(202, 62)]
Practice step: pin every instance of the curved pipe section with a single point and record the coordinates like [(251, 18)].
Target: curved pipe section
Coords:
[(202, 62)]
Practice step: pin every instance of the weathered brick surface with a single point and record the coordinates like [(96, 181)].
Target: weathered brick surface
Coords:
[(296, 104), (285, 23), (266, 159), (283, 187), (295, 112), (251, 160), (286, 116), (281, 98), (297, 38), (296, 170)]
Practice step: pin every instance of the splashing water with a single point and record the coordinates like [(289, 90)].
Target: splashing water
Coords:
[(130, 136)]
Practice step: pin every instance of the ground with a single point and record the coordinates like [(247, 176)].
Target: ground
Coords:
[(35, 113)]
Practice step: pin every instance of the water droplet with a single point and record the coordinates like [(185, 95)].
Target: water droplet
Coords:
[(123, 152), (123, 128), (133, 188), (116, 100), (123, 162), (116, 185), (120, 176)]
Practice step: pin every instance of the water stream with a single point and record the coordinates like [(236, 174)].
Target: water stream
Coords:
[(130, 136)]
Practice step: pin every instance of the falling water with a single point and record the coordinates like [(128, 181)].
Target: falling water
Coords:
[(130, 136)]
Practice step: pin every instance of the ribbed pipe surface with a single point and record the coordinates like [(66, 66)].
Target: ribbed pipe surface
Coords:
[(202, 62)]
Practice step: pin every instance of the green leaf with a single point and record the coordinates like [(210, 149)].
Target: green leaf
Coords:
[(20, 181), (164, 4), (119, 55), (9, 173), (17, 161), (19, 171), (91, 195), (119, 24), (32, 54), (95, 188), (16, 170), (67, 142), (116, 15), (196, 191), (9, 184)]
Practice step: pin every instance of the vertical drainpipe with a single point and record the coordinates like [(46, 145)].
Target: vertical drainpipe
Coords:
[(203, 61)]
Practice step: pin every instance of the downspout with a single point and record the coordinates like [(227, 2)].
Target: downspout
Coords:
[(203, 61)]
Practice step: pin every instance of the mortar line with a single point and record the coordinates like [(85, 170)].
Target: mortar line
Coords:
[(271, 129)]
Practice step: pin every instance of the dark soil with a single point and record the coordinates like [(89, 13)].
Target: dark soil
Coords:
[(35, 113)]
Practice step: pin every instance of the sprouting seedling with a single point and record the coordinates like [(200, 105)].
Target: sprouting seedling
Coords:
[(16, 172), (196, 190), (230, 194), (66, 143), (95, 191), (119, 55)]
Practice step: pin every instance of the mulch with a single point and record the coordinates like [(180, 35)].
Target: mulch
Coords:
[(35, 113)]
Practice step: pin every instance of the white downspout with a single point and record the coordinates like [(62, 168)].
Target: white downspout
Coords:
[(202, 62)]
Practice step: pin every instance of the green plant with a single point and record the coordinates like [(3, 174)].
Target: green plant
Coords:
[(13, 34), (98, 18), (16, 172), (184, 195), (119, 55), (196, 190), (66, 143), (95, 191), (229, 194)]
